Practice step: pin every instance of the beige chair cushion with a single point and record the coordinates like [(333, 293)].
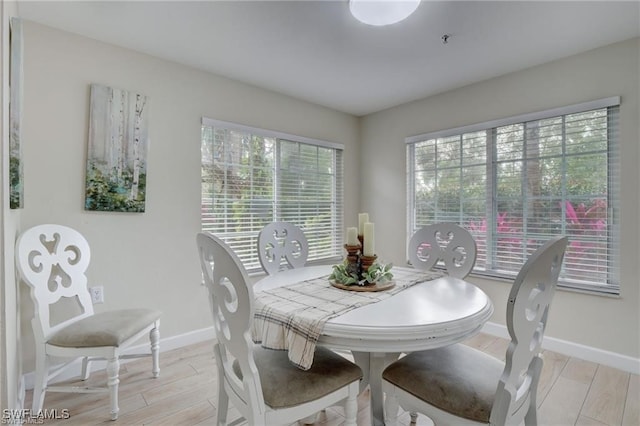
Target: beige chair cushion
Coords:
[(285, 385), (104, 329), (457, 379)]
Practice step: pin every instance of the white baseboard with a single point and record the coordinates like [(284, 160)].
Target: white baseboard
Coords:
[(587, 353), (166, 344)]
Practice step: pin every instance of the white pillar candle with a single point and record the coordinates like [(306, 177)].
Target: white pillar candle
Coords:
[(362, 219), (352, 236), (369, 240)]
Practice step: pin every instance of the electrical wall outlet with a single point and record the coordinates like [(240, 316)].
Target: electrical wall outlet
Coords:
[(97, 294)]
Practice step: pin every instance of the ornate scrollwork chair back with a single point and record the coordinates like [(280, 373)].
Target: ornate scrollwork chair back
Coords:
[(461, 385), (263, 384), (279, 240), (527, 312), (54, 265), (230, 299), (52, 260), (446, 242)]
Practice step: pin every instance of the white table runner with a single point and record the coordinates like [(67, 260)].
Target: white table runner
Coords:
[(292, 317)]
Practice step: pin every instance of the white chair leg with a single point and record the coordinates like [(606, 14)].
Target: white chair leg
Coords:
[(531, 418), (351, 409), (223, 403), (40, 385), (391, 407), (154, 337), (86, 368), (223, 398), (113, 370)]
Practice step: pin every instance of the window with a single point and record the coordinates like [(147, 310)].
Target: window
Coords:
[(516, 182), (251, 177)]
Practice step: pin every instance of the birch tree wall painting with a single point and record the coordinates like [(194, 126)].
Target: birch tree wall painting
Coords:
[(117, 155), (16, 198)]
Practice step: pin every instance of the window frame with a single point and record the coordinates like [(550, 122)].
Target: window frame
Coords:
[(612, 286), (337, 188)]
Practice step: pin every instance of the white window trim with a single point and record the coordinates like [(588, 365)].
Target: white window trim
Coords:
[(540, 115), (209, 122), (612, 101), (270, 133)]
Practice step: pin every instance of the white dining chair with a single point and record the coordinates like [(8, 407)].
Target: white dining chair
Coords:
[(263, 384), (446, 242), (52, 260), (282, 240), (460, 385)]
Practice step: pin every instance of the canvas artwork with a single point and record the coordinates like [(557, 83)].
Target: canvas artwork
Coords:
[(16, 198), (117, 155)]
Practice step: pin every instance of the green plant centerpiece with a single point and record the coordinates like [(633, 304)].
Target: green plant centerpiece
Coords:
[(348, 273), (378, 272)]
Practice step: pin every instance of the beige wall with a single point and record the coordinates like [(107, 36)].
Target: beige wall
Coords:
[(143, 259), (610, 324)]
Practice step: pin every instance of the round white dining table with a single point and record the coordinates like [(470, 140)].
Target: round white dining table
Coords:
[(432, 314)]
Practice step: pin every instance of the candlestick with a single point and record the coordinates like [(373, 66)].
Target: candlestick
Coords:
[(369, 240), (366, 262), (352, 236), (362, 219), (353, 259)]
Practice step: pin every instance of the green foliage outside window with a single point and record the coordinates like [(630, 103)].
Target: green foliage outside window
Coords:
[(250, 180), (542, 176)]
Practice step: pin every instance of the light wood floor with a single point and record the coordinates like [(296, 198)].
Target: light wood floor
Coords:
[(571, 392)]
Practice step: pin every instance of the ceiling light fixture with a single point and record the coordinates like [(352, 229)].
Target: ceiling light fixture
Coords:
[(382, 12)]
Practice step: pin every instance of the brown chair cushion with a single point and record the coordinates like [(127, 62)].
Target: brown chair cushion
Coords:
[(457, 379), (285, 385), (109, 328)]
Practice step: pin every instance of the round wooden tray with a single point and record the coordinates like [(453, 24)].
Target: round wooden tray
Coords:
[(369, 287)]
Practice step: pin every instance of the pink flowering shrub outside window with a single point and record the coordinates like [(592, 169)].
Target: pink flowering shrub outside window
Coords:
[(509, 242), (585, 225)]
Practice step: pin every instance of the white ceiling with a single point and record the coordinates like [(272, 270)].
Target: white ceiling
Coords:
[(316, 51)]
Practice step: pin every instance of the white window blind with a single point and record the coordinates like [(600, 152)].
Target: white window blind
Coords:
[(516, 182), (251, 177)]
